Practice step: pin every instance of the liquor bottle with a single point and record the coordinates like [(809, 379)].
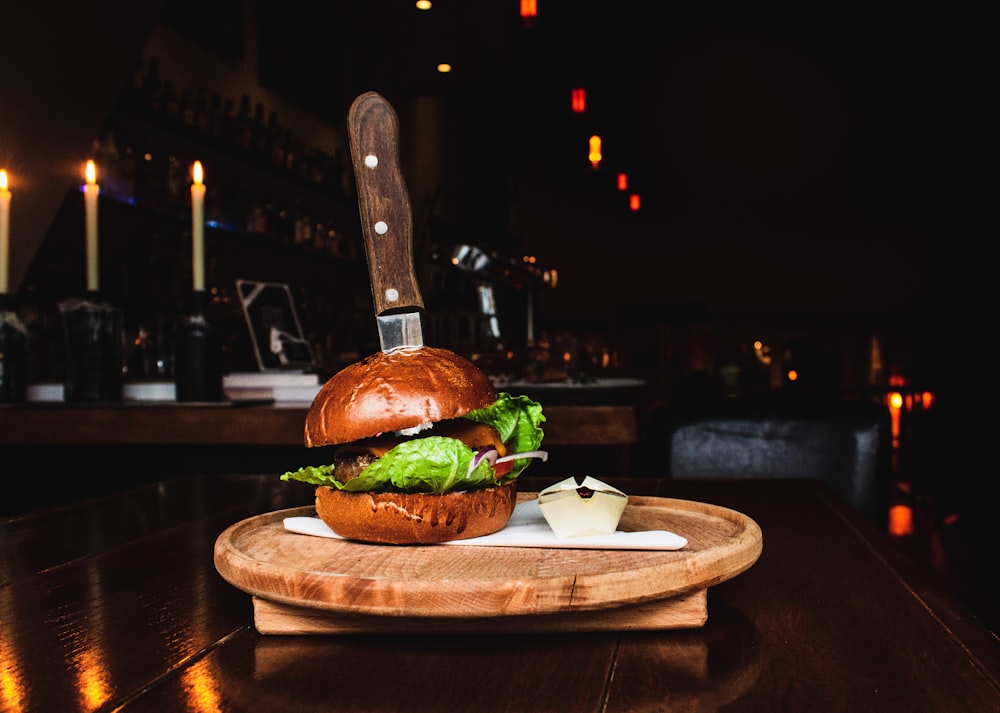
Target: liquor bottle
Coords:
[(152, 88), (290, 151), (216, 118), (227, 123), (171, 106), (186, 110), (275, 147), (132, 97), (201, 112), (258, 138), (244, 125), (198, 353)]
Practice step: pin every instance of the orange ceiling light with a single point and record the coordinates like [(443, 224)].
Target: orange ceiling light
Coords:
[(594, 154), (579, 100), (633, 202), (622, 182), (529, 12)]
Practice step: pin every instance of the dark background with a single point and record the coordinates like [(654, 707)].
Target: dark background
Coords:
[(797, 167), (825, 148)]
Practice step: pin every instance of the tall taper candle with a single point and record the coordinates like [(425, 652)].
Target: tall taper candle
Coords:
[(198, 226), (90, 191), (4, 233)]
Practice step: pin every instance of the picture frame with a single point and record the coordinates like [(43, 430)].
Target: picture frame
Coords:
[(275, 330)]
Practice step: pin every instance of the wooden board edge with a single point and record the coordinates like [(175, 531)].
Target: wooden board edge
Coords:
[(687, 611)]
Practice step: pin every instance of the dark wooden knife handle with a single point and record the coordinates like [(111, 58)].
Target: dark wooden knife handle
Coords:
[(384, 204)]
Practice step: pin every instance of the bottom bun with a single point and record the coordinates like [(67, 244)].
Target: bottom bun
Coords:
[(416, 518)]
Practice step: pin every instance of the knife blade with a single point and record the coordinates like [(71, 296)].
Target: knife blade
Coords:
[(386, 221)]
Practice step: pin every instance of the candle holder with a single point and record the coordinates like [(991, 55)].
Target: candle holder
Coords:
[(197, 353), (13, 353), (93, 339)]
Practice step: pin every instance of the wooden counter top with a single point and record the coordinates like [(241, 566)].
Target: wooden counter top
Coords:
[(115, 603)]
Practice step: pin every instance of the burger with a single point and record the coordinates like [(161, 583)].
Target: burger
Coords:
[(422, 448)]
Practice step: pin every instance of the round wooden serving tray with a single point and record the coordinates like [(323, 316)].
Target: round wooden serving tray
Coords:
[(309, 577)]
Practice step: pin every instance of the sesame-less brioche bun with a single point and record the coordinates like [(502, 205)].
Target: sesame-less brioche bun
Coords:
[(416, 518), (391, 391), (383, 394)]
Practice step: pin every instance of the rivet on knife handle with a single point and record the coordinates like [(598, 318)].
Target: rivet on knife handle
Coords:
[(384, 205)]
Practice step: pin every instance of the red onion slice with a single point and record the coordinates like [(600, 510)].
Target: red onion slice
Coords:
[(492, 456)]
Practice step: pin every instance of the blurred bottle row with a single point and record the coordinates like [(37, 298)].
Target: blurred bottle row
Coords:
[(260, 178), (251, 133)]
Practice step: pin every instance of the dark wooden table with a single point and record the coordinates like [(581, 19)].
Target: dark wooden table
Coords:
[(115, 605)]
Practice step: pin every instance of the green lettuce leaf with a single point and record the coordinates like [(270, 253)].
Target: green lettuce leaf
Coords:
[(436, 464), (519, 420)]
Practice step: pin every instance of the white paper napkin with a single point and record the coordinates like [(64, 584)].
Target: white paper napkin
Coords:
[(527, 528)]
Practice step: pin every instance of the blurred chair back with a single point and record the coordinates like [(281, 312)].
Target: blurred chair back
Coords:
[(846, 443)]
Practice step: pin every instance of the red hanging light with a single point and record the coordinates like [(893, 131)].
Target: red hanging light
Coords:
[(579, 100), (622, 182), (633, 202), (529, 12)]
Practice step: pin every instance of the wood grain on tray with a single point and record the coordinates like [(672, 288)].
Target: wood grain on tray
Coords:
[(283, 569)]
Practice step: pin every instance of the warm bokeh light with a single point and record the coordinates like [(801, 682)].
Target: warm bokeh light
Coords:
[(762, 352), (895, 403), (633, 202), (444, 68), (529, 12), (423, 4), (622, 182), (579, 100), (875, 367), (792, 375), (594, 154), (900, 520)]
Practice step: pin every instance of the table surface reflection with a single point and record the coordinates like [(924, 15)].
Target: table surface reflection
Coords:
[(114, 604)]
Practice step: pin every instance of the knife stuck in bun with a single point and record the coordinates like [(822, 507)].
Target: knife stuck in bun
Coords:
[(422, 448)]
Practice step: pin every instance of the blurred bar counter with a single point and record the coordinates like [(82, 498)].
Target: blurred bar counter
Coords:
[(73, 452), (254, 424)]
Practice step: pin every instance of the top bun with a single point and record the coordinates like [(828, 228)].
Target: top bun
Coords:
[(390, 391)]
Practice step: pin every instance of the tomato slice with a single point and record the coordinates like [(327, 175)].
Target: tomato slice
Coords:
[(501, 469)]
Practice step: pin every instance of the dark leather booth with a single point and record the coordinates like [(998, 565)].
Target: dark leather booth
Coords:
[(844, 442)]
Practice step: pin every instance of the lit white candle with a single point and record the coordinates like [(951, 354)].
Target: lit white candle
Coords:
[(90, 191), (198, 226), (4, 233)]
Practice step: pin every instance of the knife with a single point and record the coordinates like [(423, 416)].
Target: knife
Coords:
[(386, 221)]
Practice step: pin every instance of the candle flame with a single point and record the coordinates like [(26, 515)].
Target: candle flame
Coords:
[(3, 179), (91, 172), (197, 172)]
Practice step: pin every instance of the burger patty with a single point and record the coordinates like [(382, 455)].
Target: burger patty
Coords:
[(352, 458), (348, 464)]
